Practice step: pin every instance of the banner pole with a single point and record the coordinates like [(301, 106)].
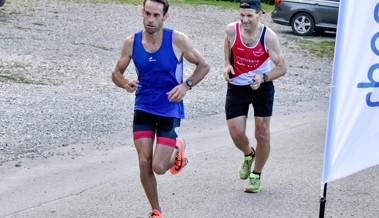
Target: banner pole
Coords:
[(322, 202)]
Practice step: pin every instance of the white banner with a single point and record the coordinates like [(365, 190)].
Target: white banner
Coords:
[(352, 139)]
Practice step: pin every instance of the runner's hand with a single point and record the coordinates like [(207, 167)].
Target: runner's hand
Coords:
[(131, 85), (256, 80), (177, 93), (229, 73)]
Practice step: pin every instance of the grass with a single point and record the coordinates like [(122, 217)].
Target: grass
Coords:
[(16, 79), (19, 79), (324, 49), (224, 4), (23, 28), (38, 24), (8, 74), (100, 47)]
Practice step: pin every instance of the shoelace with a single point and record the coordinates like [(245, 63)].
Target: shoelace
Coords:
[(178, 163), (245, 164), (255, 181), (152, 215)]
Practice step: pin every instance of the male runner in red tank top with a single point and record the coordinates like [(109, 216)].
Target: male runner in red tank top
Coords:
[(250, 47)]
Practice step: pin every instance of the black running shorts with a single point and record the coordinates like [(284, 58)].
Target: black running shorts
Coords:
[(239, 98)]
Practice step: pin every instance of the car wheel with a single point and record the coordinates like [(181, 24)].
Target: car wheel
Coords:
[(303, 24), (2, 2)]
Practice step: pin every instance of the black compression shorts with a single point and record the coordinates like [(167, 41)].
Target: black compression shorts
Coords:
[(146, 125), (239, 98)]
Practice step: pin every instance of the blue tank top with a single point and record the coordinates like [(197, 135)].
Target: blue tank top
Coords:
[(158, 73)]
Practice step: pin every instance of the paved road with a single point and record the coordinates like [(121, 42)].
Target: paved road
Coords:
[(105, 184)]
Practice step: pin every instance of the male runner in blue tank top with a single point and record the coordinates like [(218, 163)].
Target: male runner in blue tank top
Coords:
[(249, 49), (158, 53)]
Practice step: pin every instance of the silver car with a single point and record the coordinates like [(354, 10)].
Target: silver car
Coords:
[(307, 16)]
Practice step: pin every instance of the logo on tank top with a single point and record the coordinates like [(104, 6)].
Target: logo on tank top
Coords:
[(152, 59), (259, 53)]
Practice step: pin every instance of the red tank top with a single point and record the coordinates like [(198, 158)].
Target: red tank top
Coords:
[(244, 58)]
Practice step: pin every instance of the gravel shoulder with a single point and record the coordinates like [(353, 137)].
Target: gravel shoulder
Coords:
[(56, 62)]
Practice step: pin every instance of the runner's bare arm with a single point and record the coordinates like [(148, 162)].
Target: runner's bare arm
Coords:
[(122, 63), (273, 49), (184, 49), (192, 55), (228, 70)]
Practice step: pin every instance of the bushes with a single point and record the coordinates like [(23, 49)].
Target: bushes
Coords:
[(270, 2)]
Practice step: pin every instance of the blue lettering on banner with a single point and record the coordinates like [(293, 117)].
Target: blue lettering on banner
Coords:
[(370, 73), (376, 13)]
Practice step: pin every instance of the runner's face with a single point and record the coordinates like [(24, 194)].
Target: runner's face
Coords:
[(153, 17), (249, 17)]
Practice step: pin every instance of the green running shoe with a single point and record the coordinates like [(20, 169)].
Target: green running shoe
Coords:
[(254, 185), (246, 167)]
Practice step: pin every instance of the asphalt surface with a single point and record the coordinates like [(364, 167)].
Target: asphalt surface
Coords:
[(105, 184)]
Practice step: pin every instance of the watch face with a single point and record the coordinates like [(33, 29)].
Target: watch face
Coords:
[(189, 83)]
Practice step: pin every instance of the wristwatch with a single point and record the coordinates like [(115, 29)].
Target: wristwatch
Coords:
[(265, 77), (189, 84)]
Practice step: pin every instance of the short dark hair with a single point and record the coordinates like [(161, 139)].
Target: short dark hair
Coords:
[(164, 2)]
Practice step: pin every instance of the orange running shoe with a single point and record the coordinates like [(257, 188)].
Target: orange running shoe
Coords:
[(180, 160), (156, 214)]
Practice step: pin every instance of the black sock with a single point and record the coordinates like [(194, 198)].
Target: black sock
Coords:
[(252, 153), (256, 173)]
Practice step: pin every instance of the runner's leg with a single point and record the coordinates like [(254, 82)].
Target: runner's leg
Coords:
[(237, 130), (144, 134), (262, 135), (165, 151), (145, 155)]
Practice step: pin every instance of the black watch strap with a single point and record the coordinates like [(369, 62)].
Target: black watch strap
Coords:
[(189, 84), (265, 77)]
